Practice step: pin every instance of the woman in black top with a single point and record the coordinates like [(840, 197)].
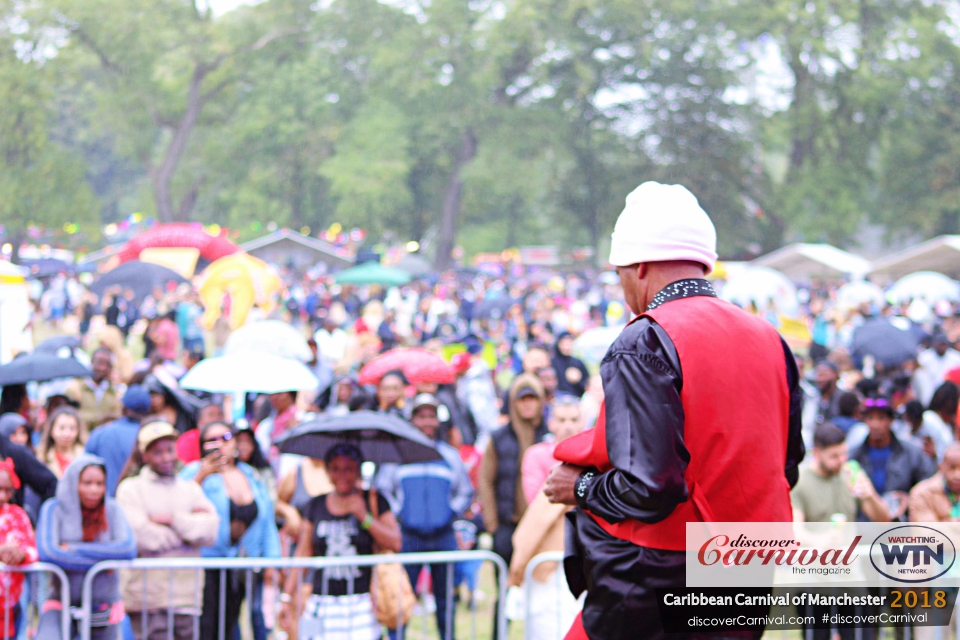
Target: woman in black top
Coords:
[(340, 524)]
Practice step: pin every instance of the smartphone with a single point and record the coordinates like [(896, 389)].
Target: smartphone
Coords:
[(211, 448)]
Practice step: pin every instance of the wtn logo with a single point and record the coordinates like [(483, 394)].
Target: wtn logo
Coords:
[(912, 553), (899, 554)]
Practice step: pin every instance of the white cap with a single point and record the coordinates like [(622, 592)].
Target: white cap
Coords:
[(663, 222)]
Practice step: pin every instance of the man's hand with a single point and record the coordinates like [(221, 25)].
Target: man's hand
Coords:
[(561, 483), (863, 488)]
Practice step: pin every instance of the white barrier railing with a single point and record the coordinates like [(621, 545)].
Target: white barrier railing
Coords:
[(249, 565), (39, 568), (536, 561)]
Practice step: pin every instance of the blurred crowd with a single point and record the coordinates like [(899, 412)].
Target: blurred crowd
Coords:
[(126, 463)]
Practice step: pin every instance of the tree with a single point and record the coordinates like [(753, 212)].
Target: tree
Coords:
[(852, 65), (41, 183), (155, 67)]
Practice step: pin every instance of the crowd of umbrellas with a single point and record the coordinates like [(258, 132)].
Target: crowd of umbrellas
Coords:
[(268, 357)]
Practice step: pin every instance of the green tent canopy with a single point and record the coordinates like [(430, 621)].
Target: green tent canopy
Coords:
[(373, 273)]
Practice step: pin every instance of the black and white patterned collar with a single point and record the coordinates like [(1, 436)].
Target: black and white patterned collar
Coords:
[(682, 289)]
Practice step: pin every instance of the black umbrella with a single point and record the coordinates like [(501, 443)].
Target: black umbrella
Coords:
[(39, 367), (494, 308), (381, 438), (54, 344), (45, 267), (889, 345), (142, 277), (187, 406)]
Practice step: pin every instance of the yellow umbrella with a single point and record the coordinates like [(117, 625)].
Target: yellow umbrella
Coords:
[(248, 280)]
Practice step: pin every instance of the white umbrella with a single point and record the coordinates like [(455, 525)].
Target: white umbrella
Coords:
[(593, 344), (249, 371), (854, 294), (762, 286), (929, 286), (269, 336)]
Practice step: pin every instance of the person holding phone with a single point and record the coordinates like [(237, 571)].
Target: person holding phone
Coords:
[(246, 522)]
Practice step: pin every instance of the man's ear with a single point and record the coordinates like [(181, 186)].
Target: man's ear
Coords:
[(641, 270)]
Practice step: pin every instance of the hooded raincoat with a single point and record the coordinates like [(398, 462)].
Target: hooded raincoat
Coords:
[(60, 540), (572, 374)]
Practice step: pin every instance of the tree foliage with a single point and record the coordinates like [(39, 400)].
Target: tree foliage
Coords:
[(488, 123), (42, 182)]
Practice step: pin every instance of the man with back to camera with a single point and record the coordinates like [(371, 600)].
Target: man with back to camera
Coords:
[(701, 422)]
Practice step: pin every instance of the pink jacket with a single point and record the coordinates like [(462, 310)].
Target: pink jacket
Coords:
[(537, 462)]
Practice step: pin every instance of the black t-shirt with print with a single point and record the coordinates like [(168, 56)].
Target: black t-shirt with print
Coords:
[(340, 536)]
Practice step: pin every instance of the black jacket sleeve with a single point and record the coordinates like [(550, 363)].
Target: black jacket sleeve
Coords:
[(32, 472), (795, 448), (642, 383)]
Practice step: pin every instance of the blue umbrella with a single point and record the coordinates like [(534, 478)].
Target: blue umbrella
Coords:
[(45, 267)]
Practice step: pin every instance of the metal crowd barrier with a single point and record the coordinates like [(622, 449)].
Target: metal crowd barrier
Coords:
[(251, 565), (40, 597), (528, 580)]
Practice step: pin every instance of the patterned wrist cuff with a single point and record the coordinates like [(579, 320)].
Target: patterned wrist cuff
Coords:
[(583, 486)]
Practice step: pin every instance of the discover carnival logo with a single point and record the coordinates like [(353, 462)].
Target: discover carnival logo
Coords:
[(912, 553), (744, 551)]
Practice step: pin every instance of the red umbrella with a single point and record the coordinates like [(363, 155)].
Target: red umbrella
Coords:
[(418, 365)]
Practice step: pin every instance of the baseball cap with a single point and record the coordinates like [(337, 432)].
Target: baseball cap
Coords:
[(136, 399), (424, 400), (526, 391), (153, 431)]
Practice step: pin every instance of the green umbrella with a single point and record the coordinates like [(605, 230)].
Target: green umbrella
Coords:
[(373, 273)]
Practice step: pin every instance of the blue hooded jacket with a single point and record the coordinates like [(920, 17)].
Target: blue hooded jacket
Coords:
[(61, 522)]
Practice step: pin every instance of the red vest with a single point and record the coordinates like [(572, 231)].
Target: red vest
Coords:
[(736, 405)]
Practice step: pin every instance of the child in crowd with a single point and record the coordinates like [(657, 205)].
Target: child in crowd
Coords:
[(17, 547), (60, 443)]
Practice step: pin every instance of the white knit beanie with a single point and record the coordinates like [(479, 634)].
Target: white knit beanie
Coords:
[(663, 222)]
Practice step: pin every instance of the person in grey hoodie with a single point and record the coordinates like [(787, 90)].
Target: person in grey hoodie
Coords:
[(78, 528)]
